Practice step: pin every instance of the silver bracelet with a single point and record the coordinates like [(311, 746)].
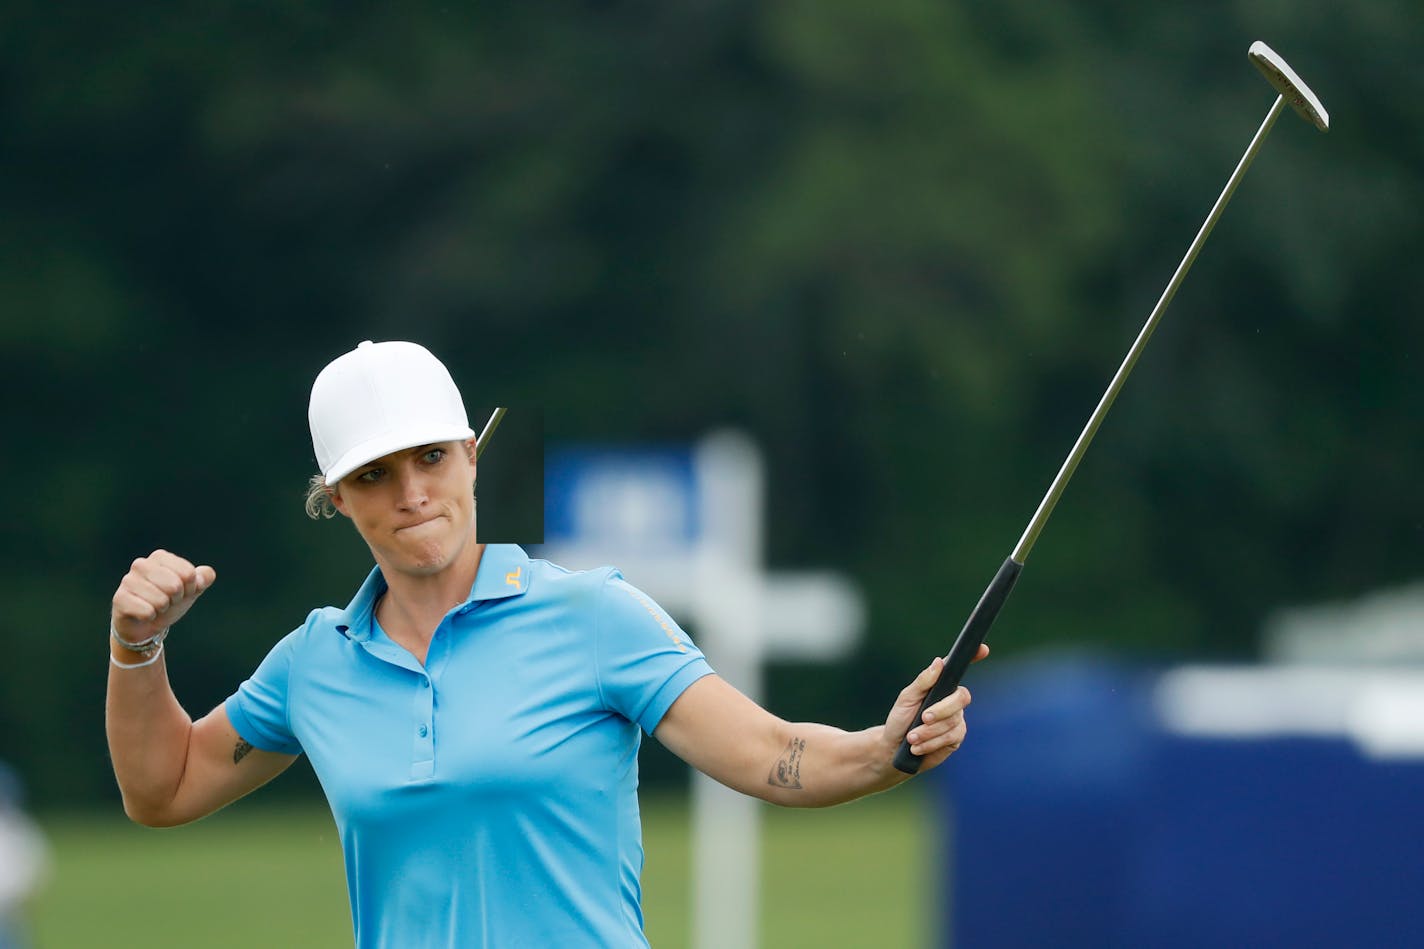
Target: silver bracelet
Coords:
[(138, 665), (144, 647)]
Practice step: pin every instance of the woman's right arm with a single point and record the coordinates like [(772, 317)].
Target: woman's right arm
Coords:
[(170, 769)]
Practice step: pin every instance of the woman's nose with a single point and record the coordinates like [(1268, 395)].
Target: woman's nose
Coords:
[(413, 490)]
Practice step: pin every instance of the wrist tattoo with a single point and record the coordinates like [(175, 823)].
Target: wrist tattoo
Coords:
[(240, 752), (786, 773)]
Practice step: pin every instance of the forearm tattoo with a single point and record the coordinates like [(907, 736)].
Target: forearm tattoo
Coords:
[(240, 752), (786, 773)]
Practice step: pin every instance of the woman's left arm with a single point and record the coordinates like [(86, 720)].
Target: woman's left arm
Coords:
[(724, 734)]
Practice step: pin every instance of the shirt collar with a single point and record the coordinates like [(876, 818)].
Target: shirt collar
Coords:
[(504, 572)]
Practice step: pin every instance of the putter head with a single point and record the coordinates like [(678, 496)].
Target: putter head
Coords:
[(1279, 74)]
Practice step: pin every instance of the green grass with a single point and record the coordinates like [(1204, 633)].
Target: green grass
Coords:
[(254, 876), (245, 877)]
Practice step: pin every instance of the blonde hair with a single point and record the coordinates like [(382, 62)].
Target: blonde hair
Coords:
[(319, 504)]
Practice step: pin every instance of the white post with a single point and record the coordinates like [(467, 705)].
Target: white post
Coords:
[(726, 855), (632, 511)]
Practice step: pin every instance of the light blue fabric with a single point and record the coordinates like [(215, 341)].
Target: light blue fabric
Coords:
[(489, 798)]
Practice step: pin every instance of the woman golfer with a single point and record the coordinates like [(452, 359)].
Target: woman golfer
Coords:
[(473, 715)]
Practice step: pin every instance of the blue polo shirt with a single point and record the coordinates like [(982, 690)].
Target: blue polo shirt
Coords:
[(488, 798)]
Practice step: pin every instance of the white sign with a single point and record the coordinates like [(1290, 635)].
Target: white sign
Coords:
[(686, 526)]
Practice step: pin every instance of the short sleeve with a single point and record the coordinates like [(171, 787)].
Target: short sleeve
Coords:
[(258, 709), (645, 660)]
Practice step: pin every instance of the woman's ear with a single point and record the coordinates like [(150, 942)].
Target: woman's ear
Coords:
[(333, 491)]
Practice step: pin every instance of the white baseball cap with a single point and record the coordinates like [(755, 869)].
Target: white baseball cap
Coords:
[(380, 398)]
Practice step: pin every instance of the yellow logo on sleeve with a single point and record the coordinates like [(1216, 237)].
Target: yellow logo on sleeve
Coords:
[(658, 616)]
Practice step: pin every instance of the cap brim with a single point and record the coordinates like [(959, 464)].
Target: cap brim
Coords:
[(388, 442)]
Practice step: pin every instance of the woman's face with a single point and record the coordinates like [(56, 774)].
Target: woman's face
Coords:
[(415, 508)]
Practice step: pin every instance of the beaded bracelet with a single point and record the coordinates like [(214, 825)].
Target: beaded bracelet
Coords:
[(144, 647)]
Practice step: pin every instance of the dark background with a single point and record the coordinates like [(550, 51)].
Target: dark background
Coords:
[(903, 245), (509, 489)]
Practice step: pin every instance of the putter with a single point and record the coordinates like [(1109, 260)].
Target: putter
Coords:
[(495, 418), (1293, 91)]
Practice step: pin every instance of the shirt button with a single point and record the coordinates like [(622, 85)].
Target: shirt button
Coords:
[(425, 683), (424, 731)]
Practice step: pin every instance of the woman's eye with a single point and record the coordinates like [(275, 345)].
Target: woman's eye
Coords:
[(434, 455), (370, 476)]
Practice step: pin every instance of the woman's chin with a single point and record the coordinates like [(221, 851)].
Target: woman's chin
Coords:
[(431, 556)]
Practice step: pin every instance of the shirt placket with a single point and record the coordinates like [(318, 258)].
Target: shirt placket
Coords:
[(422, 718), (423, 712), (422, 758)]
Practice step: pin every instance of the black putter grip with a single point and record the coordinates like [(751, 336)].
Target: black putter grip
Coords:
[(962, 653)]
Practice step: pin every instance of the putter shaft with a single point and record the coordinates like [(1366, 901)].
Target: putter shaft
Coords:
[(495, 418), (1070, 464)]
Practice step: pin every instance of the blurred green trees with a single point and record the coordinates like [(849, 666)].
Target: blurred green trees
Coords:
[(903, 244)]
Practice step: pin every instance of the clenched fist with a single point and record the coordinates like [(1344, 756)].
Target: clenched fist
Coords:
[(156, 592)]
